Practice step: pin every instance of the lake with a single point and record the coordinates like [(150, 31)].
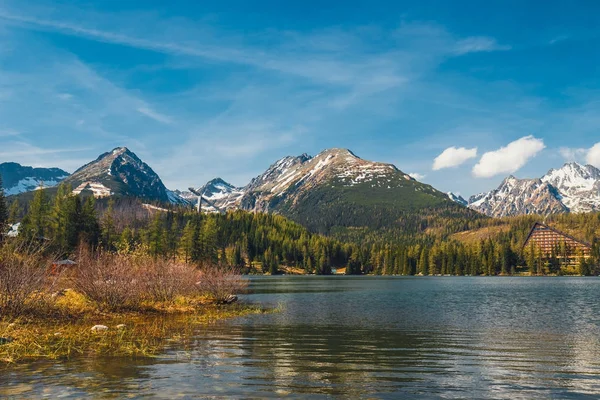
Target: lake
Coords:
[(365, 337)]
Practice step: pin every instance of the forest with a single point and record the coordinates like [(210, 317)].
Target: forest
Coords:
[(442, 244)]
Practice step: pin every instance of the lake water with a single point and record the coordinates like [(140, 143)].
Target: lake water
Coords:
[(365, 337)]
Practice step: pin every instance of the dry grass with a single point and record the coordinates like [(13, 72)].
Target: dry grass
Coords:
[(23, 279), (219, 282), (158, 300), (117, 282), (477, 235), (143, 335)]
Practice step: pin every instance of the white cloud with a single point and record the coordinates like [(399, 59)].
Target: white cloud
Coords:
[(417, 176), (593, 155), (508, 159), (572, 154), (453, 157)]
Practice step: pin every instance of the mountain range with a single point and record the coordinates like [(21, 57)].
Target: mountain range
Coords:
[(573, 188), (19, 179), (332, 188)]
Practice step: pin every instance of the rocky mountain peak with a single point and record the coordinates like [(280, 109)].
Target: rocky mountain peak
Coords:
[(571, 188), (121, 172)]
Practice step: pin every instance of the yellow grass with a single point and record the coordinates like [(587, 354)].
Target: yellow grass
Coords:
[(476, 235), (67, 330)]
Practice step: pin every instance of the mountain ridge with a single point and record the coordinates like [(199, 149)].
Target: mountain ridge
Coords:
[(19, 178), (573, 188)]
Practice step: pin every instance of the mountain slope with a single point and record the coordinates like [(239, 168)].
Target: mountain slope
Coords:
[(572, 188), (336, 189), (578, 185), (18, 179), (120, 172), (457, 199), (519, 197)]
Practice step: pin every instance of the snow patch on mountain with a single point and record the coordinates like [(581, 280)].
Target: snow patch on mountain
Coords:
[(30, 183), (457, 199), (572, 188)]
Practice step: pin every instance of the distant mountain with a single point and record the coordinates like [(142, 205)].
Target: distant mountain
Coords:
[(578, 185), (457, 199), (335, 188), (18, 179), (217, 195), (121, 172), (572, 188)]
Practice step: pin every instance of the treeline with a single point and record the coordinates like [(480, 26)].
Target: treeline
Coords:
[(445, 244), (249, 241)]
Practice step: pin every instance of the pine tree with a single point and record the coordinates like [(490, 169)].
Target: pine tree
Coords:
[(14, 212), (186, 242), (108, 226), (3, 210), (35, 225), (89, 226), (209, 241)]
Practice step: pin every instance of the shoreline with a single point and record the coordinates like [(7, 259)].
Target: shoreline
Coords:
[(92, 333)]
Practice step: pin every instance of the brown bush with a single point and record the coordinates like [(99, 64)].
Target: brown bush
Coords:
[(110, 280), (164, 280), (23, 273), (219, 282), (129, 281)]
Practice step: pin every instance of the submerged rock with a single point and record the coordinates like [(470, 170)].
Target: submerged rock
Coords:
[(99, 328)]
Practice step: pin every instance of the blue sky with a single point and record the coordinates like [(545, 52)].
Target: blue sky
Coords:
[(460, 94)]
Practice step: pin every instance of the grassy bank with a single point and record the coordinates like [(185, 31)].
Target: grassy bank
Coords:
[(144, 334), (108, 304)]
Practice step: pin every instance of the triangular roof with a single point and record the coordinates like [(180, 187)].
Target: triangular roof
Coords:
[(556, 231)]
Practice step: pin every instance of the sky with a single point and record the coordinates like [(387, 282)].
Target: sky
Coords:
[(459, 94)]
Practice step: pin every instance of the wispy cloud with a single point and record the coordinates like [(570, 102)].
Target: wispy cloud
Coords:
[(9, 132), (572, 154), (417, 176), (154, 115), (478, 44)]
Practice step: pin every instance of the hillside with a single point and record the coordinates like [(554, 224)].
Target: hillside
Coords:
[(337, 190)]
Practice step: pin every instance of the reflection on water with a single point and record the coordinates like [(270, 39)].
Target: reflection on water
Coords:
[(366, 337)]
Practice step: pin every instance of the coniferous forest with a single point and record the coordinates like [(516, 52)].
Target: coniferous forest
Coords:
[(441, 244)]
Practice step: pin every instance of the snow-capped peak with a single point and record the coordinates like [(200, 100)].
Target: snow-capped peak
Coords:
[(578, 185), (457, 198), (571, 188)]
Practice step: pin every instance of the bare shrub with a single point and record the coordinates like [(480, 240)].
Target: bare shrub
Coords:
[(220, 282), (131, 281), (164, 280), (110, 280), (23, 273)]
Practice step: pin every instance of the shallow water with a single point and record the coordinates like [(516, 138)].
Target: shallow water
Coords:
[(370, 337)]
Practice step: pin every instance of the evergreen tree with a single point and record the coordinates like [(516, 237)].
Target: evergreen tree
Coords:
[(209, 241), (109, 234), (14, 212), (3, 210), (36, 223), (186, 242)]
